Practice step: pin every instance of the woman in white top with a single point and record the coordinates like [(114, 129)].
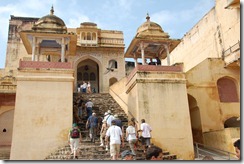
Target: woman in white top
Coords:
[(131, 136)]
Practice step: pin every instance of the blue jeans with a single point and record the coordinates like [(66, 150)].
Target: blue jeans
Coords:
[(89, 111), (80, 111)]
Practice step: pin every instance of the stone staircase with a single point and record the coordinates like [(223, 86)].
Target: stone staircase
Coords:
[(93, 151), (89, 150)]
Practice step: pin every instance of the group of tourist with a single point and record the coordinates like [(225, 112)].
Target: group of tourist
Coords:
[(84, 87), (113, 134), (151, 62)]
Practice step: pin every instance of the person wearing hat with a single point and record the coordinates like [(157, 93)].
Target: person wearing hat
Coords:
[(74, 137), (116, 139), (127, 155), (109, 117)]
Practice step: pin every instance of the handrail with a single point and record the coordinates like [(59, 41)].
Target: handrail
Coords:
[(213, 149), (231, 49)]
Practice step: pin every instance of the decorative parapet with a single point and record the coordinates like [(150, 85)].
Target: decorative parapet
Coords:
[(8, 84), (153, 68), (44, 65)]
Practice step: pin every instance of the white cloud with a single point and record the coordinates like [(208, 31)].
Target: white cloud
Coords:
[(75, 22)]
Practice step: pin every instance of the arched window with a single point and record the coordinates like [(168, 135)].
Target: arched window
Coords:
[(112, 81), (92, 76), (113, 64), (83, 36), (94, 36), (232, 122), (86, 76), (79, 76), (227, 90), (89, 36)]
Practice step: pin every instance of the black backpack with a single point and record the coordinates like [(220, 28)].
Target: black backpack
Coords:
[(75, 133)]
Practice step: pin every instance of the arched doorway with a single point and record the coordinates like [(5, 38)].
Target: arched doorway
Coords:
[(232, 122), (88, 70), (196, 124), (6, 127), (112, 81)]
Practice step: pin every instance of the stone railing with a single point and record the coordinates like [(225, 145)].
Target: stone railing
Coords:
[(44, 65)]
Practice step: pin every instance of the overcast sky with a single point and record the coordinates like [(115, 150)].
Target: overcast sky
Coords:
[(176, 17)]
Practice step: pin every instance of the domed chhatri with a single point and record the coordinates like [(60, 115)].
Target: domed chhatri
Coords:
[(50, 24), (151, 28)]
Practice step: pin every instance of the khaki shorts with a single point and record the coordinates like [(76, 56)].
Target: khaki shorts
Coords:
[(114, 149)]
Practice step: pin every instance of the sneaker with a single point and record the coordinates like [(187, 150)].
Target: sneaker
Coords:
[(106, 148), (76, 157), (101, 145)]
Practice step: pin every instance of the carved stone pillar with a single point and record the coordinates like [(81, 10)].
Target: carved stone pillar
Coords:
[(167, 51), (142, 53), (33, 48), (135, 60), (62, 50)]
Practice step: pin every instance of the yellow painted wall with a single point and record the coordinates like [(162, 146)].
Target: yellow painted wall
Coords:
[(152, 96), (222, 139), (43, 113), (218, 30), (202, 85)]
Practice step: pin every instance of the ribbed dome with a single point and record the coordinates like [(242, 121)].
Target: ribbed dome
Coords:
[(50, 23), (150, 27)]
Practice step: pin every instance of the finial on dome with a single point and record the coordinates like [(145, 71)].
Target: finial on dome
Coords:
[(51, 11), (148, 17)]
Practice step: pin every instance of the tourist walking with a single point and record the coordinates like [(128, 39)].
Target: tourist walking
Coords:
[(145, 130), (88, 87), (103, 131), (74, 137), (80, 108), (91, 124), (118, 122), (130, 135), (116, 139), (83, 87), (108, 117), (89, 104)]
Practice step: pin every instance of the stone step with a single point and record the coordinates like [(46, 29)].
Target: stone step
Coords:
[(93, 151)]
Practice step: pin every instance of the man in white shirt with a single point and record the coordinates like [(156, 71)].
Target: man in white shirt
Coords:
[(84, 86), (89, 106), (146, 134), (116, 139)]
